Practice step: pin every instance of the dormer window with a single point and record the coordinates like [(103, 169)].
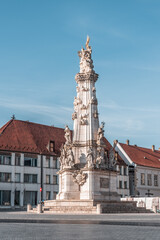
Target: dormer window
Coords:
[(52, 146)]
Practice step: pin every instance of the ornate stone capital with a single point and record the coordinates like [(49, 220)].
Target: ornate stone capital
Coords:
[(86, 77)]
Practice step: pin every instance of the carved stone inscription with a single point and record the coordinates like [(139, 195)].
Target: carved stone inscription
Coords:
[(104, 182)]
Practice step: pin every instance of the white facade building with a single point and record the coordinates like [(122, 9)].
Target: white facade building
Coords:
[(144, 168), (28, 162)]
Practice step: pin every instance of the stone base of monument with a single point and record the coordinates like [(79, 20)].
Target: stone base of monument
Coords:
[(91, 207)]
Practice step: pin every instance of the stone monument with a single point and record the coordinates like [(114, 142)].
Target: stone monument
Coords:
[(86, 175)]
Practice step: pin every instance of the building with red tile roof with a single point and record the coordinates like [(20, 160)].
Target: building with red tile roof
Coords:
[(29, 137), (28, 161), (144, 168)]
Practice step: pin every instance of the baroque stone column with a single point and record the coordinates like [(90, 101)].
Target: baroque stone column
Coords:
[(83, 160)]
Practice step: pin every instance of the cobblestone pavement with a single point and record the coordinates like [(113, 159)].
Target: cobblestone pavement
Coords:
[(76, 232), (22, 225)]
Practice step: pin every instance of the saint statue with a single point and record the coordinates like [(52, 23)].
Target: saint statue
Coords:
[(67, 135)]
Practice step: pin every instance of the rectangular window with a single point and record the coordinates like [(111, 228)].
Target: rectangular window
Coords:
[(156, 180), (149, 179), (55, 180), (120, 184), (30, 197), (30, 178), (52, 146), (30, 162), (47, 179), (125, 184), (142, 178), (17, 177), (48, 195), (55, 163), (5, 198), (5, 177), (17, 198), (125, 171), (47, 162), (120, 170), (5, 160), (17, 161)]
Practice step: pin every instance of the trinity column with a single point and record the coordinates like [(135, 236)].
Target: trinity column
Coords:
[(86, 171)]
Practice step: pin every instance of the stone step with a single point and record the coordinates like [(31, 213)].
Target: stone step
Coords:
[(91, 207)]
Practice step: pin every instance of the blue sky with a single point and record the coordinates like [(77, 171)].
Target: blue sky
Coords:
[(39, 41)]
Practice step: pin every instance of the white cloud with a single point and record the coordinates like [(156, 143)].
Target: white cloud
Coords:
[(56, 112)]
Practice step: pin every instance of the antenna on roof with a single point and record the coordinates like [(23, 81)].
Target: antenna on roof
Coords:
[(13, 117)]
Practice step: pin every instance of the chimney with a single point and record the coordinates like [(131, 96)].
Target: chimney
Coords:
[(115, 142), (127, 141), (153, 148)]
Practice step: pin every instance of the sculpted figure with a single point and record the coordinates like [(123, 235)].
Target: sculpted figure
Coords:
[(86, 63), (62, 157), (112, 160), (69, 161), (100, 133), (89, 158), (100, 156), (67, 135), (87, 42)]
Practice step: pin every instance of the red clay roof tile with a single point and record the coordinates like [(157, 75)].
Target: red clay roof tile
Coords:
[(142, 156), (26, 136)]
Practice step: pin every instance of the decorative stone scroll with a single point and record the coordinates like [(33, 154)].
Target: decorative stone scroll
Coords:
[(74, 116), (83, 107), (79, 177), (93, 100), (85, 89), (77, 101), (77, 89), (83, 120), (85, 115)]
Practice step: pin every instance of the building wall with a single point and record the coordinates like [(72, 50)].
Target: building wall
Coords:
[(22, 188), (123, 188), (153, 187)]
